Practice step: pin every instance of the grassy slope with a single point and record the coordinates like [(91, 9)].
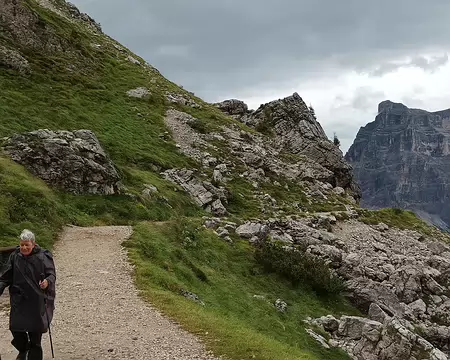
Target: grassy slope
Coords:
[(226, 278), (92, 96)]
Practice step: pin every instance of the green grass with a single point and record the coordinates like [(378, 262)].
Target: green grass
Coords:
[(85, 89), (225, 277), (27, 202), (401, 219)]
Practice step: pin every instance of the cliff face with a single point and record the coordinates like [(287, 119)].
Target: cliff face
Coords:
[(402, 159), (295, 130)]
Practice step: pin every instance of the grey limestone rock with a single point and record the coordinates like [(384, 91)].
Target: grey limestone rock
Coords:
[(402, 159), (71, 161), (14, 60)]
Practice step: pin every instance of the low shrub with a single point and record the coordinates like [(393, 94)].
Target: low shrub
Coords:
[(299, 267)]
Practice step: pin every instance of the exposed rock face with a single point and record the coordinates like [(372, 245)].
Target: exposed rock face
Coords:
[(24, 27), (366, 339), (402, 159), (297, 132), (189, 141), (13, 60), (76, 14), (70, 161), (203, 192), (241, 154)]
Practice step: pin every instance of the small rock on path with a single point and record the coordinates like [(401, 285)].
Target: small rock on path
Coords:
[(99, 314)]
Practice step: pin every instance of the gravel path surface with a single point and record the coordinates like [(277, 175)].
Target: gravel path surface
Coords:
[(99, 314)]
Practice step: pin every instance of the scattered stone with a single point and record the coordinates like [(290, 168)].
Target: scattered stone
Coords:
[(253, 229), (181, 100), (149, 191), (319, 338), (205, 194), (140, 92), (133, 60), (281, 305), (329, 323), (211, 223), (191, 296), (222, 232), (381, 227), (218, 209), (217, 176), (187, 139)]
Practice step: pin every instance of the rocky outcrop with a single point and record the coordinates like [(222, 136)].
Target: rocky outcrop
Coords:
[(402, 159), (366, 339), (233, 107), (233, 153), (13, 60), (74, 162), (24, 27), (297, 132), (204, 193), (76, 14)]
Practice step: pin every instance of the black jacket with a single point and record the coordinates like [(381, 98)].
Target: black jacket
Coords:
[(22, 274)]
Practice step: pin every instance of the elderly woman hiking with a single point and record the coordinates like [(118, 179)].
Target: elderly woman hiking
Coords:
[(30, 275)]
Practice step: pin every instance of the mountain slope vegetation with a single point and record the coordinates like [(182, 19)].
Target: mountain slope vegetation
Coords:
[(77, 78)]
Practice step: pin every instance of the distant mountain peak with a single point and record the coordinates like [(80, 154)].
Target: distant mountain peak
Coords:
[(402, 159)]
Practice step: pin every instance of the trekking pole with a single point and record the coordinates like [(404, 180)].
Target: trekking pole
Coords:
[(48, 321)]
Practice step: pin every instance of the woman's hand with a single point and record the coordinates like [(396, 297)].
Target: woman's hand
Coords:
[(43, 284)]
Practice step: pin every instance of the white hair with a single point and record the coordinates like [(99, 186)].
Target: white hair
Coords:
[(27, 235)]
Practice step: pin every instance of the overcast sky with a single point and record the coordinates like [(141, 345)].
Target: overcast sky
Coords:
[(342, 57)]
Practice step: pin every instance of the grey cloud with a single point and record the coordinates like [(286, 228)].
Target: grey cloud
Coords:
[(430, 65), (237, 47), (364, 98), (413, 102)]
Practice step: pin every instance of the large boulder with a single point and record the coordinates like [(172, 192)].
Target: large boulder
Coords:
[(74, 162), (233, 107)]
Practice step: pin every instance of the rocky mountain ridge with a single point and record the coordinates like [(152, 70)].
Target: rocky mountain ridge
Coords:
[(269, 175), (402, 159), (297, 132)]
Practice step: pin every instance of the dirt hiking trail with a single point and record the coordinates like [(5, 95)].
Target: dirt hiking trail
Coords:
[(99, 314)]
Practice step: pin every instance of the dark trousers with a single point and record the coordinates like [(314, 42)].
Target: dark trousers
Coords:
[(30, 342)]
